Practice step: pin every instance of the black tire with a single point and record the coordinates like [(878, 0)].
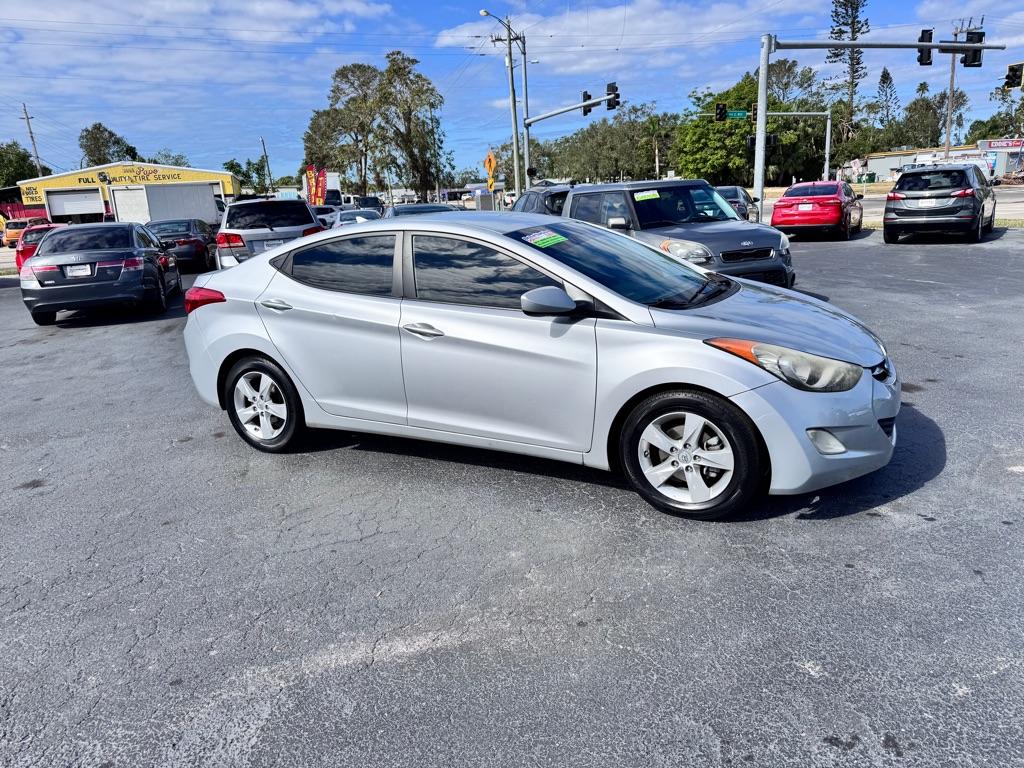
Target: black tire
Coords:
[(991, 222), (743, 487), (844, 230), (295, 422), (177, 283), (890, 236), (158, 300), (44, 318), (977, 233)]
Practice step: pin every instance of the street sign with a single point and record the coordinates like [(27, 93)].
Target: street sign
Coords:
[(490, 183), (737, 114), (490, 163)]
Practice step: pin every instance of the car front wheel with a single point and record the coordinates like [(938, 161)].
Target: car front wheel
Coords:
[(692, 454), (263, 405)]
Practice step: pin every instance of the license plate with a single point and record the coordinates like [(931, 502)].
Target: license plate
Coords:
[(268, 244), (927, 202), (78, 270), (805, 206)]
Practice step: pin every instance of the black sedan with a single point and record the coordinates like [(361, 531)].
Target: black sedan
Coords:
[(96, 265), (194, 241), (741, 201)]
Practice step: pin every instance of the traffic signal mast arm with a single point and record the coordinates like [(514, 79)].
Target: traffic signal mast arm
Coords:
[(562, 110)]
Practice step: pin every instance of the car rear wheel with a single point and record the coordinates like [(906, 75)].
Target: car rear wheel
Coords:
[(158, 301), (44, 318), (263, 405), (890, 235), (977, 233), (692, 454), (991, 222)]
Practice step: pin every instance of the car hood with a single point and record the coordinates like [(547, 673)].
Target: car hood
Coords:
[(717, 235), (779, 316)]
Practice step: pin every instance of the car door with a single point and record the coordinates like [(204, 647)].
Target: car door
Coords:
[(474, 364), (332, 311)]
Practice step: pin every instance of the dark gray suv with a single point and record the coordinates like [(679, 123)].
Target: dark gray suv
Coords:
[(689, 220), (941, 198)]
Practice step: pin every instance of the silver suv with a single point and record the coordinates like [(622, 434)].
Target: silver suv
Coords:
[(251, 227)]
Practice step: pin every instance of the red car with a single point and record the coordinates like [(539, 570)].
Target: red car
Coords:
[(28, 241), (828, 206)]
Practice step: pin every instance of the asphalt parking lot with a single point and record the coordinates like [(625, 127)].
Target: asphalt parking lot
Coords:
[(170, 597)]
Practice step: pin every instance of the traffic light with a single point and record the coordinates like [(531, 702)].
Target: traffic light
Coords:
[(771, 140), (586, 108), (612, 90), (973, 58), (721, 112), (752, 114), (1014, 77), (924, 55), (751, 142)]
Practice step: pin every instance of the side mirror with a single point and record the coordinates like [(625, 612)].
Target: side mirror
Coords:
[(548, 300), (755, 199), (996, 182), (618, 222), (860, 197)]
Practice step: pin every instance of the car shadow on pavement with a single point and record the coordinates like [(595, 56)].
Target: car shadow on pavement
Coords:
[(945, 238), (830, 237), (102, 316), (920, 456)]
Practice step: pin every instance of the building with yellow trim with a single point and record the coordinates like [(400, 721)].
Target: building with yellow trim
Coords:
[(84, 195)]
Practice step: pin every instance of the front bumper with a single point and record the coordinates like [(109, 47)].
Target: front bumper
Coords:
[(862, 419), (774, 271), (83, 296)]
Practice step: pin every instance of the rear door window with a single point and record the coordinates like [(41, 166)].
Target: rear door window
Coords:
[(586, 208), (271, 214), (362, 265), (462, 272)]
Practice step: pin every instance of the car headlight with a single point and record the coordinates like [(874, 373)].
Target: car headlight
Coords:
[(784, 244), (798, 369), (695, 253)]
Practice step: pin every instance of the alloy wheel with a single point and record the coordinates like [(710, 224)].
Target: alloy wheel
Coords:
[(260, 405), (686, 457)]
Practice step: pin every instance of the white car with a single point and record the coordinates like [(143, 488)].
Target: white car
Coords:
[(548, 337)]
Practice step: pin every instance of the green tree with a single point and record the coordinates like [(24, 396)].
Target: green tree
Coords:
[(922, 121), (848, 24), (167, 157), (100, 146), (253, 174), (887, 99), (16, 164)]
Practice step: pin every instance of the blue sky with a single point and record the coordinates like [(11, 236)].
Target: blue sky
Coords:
[(209, 77)]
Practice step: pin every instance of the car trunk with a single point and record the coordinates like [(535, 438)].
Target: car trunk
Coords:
[(808, 204), (79, 267), (932, 202), (259, 240)]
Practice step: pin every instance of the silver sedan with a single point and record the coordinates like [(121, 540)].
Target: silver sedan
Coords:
[(552, 338)]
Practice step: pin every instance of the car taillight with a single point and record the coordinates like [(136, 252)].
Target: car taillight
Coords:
[(312, 230), (895, 196), (133, 264), (229, 240), (962, 193), (783, 203), (830, 201), (26, 272), (199, 297), (46, 268)]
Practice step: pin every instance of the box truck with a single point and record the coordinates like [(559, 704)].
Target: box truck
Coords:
[(154, 202)]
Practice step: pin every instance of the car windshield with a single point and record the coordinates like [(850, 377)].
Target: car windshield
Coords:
[(932, 180), (358, 216), (621, 264), (34, 235), (812, 190), (729, 193), (167, 227), (686, 204), (368, 202), (404, 210), (323, 210), (270, 214), (67, 239)]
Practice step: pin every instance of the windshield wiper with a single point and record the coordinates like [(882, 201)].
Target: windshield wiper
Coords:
[(664, 222)]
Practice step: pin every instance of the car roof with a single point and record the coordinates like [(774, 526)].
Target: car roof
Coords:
[(161, 221), (630, 185), (941, 167), (553, 190), (47, 225), (812, 183), (260, 200)]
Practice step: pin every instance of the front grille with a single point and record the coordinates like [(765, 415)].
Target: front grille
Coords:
[(750, 254), (775, 277), (888, 425)]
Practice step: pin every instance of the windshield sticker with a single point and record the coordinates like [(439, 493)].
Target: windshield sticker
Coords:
[(651, 194), (545, 238)]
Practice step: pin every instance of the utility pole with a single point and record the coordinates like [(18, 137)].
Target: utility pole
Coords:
[(526, 115), (957, 31), (266, 164), (761, 126), (32, 138), (512, 109)]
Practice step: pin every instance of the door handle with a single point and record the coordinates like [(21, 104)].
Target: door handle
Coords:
[(278, 304), (423, 330)]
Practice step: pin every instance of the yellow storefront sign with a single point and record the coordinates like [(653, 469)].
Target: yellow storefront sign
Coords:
[(33, 191)]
